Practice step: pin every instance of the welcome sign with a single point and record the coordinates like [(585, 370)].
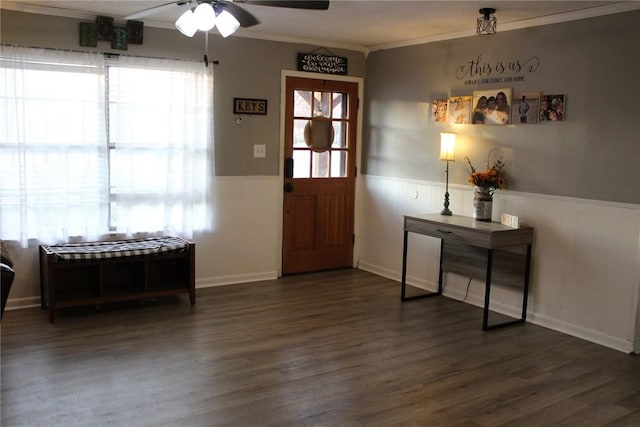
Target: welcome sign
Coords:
[(319, 63)]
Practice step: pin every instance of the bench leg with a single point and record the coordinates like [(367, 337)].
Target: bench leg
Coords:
[(192, 273)]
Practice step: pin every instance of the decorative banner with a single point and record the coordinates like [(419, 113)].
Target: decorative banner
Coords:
[(318, 63), (103, 29), (88, 34), (135, 32), (119, 39)]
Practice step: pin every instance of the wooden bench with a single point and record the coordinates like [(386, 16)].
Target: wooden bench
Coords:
[(94, 273)]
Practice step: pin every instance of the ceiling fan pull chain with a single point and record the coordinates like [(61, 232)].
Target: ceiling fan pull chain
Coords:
[(206, 48)]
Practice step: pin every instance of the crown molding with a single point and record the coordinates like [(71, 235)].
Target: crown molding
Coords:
[(66, 13), (44, 10), (611, 9), (301, 40)]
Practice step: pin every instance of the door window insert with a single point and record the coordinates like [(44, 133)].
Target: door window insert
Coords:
[(320, 129)]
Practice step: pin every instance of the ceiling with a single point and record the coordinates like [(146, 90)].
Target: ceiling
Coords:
[(364, 25)]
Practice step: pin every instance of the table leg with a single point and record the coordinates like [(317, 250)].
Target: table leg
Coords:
[(527, 272), (404, 267), (487, 291), (440, 272), (485, 318), (403, 294)]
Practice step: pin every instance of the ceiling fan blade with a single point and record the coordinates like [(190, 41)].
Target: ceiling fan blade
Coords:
[(245, 18), (292, 4), (158, 9)]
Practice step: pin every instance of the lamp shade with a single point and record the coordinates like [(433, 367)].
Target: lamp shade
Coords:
[(227, 24), (186, 23), (447, 146), (205, 17)]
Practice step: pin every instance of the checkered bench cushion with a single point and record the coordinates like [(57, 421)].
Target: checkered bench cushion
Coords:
[(117, 248)]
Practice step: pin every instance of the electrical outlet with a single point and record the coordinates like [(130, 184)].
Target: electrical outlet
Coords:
[(259, 150)]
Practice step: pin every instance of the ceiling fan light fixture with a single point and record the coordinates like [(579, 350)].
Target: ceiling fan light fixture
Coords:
[(186, 23), (227, 23), (487, 23), (205, 17)]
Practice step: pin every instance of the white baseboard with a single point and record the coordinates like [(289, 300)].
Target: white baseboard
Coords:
[(580, 332), (20, 303), (532, 317), (449, 292), (457, 294), (208, 282), (395, 275)]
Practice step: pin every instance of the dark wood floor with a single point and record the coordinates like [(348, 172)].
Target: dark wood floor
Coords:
[(328, 349)]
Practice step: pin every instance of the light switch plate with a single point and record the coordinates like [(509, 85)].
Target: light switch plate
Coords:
[(259, 151)]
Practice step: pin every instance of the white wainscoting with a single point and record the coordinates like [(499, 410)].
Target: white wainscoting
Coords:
[(585, 274), (241, 247), (244, 243)]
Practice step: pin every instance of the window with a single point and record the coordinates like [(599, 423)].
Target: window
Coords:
[(90, 146)]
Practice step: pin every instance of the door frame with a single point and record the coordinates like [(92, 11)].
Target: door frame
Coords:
[(357, 194)]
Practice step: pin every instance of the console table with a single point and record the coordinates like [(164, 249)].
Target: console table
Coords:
[(477, 249)]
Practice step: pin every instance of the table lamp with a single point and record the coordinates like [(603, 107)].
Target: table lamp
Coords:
[(447, 153)]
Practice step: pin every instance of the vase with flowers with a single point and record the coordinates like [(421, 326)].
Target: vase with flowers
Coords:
[(485, 184)]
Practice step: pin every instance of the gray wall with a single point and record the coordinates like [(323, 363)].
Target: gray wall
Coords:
[(594, 154), (248, 68)]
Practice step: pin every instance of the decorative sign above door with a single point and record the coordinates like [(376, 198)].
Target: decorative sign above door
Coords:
[(319, 63)]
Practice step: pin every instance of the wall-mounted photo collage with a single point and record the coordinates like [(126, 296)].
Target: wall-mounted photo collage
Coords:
[(499, 107)]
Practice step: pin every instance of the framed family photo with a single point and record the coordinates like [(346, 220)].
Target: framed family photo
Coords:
[(459, 110), (491, 107), (552, 108), (525, 109), (439, 110)]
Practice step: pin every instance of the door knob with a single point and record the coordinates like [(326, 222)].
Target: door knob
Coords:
[(288, 187)]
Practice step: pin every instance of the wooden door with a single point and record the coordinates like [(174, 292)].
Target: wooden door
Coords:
[(320, 169)]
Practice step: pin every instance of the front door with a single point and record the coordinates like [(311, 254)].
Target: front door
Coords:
[(319, 178)]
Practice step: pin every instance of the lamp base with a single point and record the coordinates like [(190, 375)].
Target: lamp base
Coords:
[(446, 210)]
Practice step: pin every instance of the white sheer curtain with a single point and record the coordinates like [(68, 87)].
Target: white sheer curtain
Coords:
[(161, 115), (89, 147), (53, 171)]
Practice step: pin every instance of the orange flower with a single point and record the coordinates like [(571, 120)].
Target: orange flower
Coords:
[(492, 178)]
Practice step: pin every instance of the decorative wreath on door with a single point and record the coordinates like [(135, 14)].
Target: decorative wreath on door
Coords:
[(319, 133)]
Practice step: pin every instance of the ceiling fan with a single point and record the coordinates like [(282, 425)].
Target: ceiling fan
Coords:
[(203, 15)]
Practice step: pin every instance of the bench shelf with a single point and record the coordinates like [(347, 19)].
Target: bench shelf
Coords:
[(69, 283)]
